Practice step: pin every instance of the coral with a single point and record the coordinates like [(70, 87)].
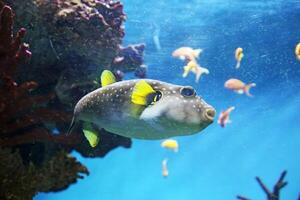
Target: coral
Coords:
[(20, 181), (81, 36), (129, 58), (32, 158), (74, 36), (20, 110), (275, 195)]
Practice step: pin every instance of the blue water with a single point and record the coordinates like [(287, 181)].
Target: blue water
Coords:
[(264, 136)]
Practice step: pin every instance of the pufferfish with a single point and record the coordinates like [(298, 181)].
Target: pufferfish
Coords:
[(142, 109)]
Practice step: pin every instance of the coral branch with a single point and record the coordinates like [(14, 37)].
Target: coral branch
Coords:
[(280, 184), (242, 198), (275, 195), (6, 21)]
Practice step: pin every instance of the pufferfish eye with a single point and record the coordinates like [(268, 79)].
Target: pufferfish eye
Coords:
[(188, 92), (154, 97)]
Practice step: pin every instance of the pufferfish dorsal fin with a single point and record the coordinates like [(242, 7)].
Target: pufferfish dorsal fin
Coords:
[(107, 78), (140, 93), (90, 134)]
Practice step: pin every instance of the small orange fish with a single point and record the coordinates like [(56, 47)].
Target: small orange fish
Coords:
[(238, 56), (224, 117), (239, 86), (297, 51), (187, 53), (165, 171)]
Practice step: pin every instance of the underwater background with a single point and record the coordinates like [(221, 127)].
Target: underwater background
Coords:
[(219, 163)]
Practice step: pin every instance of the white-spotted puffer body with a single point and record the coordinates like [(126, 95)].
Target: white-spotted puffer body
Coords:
[(177, 111)]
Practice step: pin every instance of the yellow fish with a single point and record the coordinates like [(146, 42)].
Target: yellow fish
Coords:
[(297, 51), (238, 56), (170, 144), (194, 67)]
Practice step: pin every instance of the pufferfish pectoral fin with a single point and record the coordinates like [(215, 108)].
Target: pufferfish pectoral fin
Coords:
[(107, 78), (91, 134)]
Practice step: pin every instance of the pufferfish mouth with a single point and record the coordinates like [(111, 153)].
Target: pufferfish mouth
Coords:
[(209, 114)]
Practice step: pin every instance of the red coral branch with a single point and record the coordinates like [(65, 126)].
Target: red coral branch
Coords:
[(19, 109)]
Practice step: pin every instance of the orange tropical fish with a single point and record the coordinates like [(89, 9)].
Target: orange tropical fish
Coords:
[(187, 53), (239, 86), (224, 116), (238, 56)]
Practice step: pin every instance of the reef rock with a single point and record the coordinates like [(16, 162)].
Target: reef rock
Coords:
[(23, 181), (33, 147), (81, 35), (129, 58)]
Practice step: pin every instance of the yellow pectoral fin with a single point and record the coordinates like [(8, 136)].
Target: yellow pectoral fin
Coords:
[(91, 135), (140, 92), (107, 78)]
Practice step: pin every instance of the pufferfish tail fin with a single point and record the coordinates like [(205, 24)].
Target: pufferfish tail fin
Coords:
[(140, 93), (107, 78), (91, 134)]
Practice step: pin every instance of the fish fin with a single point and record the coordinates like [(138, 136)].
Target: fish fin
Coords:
[(186, 71), (240, 91), (72, 125), (90, 134), (107, 78), (238, 64), (199, 72), (203, 70), (182, 57), (140, 92), (247, 89), (197, 52), (136, 110)]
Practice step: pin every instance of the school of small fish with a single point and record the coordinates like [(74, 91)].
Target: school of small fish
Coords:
[(190, 56)]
